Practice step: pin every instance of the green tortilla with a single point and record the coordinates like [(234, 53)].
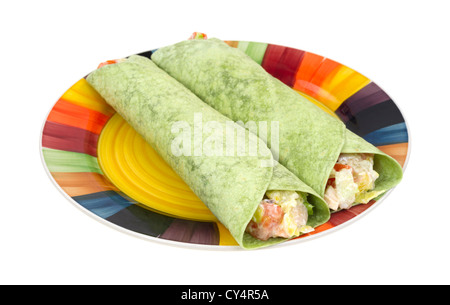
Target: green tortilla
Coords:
[(231, 186), (389, 169), (310, 140)]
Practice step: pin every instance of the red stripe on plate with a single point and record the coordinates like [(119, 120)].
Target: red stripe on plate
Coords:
[(282, 62), (340, 217), (68, 138), (358, 209)]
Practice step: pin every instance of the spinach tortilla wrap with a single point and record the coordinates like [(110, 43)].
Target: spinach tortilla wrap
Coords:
[(259, 204), (339, 165)]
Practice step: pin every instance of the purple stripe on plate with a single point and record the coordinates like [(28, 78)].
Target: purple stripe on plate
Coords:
[(367, 97), (192, 232), (380, 115)]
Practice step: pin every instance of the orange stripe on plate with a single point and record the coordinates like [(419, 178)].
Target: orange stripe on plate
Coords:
[(321, 228), (306, 72), (233, 44), (76, 116), (327, 68), (77, 184), (397, 151)]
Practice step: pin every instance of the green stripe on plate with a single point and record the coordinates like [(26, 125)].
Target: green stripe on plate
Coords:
[(255, 50), (70, 162)]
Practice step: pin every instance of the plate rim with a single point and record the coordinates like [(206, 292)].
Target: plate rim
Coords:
[(218, 247)]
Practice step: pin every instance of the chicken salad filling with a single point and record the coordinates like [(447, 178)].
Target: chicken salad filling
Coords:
[(352, 181), (281, 214)]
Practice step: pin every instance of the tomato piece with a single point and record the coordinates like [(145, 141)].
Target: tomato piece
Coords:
[(108, 62), (198, 35), (338, 166), (332, 182), (273, 215), (269, 223)]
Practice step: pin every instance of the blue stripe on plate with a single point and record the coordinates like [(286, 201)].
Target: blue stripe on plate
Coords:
[(393, 134), (103, 204)]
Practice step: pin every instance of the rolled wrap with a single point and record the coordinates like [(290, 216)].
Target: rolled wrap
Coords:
[(230, 186), (310, 140)]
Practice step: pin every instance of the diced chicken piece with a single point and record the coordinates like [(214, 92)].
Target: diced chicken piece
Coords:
[(331, 198), (350, 181)]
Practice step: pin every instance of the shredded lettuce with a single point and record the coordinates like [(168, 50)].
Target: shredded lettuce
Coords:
[(308, 205), (365, 197)]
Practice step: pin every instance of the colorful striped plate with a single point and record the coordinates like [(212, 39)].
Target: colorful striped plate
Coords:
[(103, 166)]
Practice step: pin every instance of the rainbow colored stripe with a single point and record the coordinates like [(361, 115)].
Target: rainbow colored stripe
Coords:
[(71, 133)]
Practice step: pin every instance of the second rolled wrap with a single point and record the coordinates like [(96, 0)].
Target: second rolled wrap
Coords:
[(310, 140)]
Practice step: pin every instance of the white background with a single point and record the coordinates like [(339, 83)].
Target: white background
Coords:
[(48, 45)]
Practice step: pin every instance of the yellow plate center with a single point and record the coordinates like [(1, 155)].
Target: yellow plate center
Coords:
[(132, 165)]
